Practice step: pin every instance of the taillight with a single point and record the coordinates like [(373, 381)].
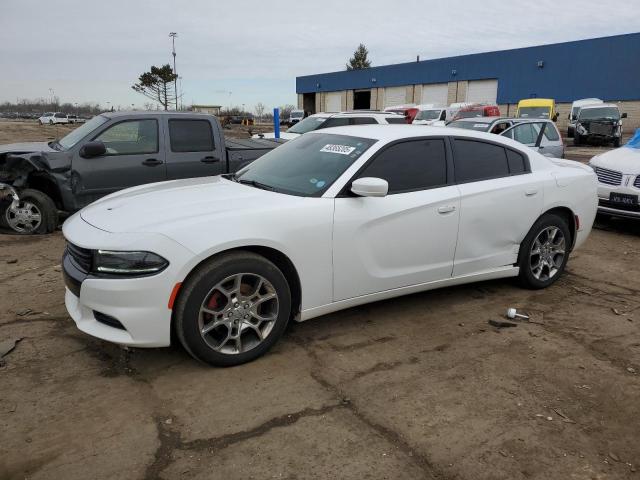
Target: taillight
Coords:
[(577, 222)]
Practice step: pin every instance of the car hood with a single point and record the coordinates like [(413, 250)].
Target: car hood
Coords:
[(154, 207), (26, 147), (625, 160), (284, 135)]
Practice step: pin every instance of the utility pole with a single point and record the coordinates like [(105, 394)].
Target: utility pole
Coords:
[(173, 36)]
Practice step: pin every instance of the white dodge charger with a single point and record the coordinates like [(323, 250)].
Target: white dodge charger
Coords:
[(330, 220)]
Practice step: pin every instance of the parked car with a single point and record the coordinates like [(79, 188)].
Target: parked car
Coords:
[(311, 228), (408, 111), (342, 119), (113, 151), (495, 124), (295, 116), (600, 122), (72, 119), (618, 174), (51, 118), (537, 108), (539, 134), (575, 108), (478, 110), (429, 114)]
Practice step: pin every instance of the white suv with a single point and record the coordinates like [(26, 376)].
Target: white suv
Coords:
[(342, 119), (52, 118)]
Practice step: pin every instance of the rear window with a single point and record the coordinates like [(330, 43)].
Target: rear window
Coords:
[(335, 122), (396, 120), (477, 126), (60, 115), (190, 136), (364, 121)]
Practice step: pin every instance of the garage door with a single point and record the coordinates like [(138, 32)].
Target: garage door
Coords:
[(435, 93), (395, 96), (482, 91), (334, 101)]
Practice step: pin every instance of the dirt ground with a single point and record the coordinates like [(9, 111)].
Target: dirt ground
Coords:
[(416, 387)]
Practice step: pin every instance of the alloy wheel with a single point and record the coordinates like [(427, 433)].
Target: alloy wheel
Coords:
[(23, 216), (547, 253), (238, 313)]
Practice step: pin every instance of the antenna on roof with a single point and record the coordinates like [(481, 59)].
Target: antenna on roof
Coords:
[(417, 58)]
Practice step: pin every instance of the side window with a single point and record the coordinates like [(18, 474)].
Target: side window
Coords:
[(131, 137), (190, 136), (550, 132), (479, 161), (335, 122), (363, 121), (413, 165), (525, 133), (517, 163), (443, 115)]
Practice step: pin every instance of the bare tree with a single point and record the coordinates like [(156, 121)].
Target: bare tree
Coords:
[(285, 110), (259, 109), (158, 84)]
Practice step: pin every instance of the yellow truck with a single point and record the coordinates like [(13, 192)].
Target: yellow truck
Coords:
[(537, 108)]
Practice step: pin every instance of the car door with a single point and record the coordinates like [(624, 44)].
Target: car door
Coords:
[(134, 157), (193, 151), (405, 238), (500, 199)]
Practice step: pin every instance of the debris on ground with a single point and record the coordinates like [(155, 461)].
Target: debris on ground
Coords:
[(616, 311), (23, 312), (614, 457), (513, 314), (6, 347), (631, 370), (12, 260), (565, 419), (502, 324)]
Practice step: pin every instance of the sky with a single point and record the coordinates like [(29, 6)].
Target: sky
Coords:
[(239, 52)]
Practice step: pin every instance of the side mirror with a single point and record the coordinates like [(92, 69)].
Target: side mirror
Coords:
[(370, 187), (555, 117), (93, 149), (624, 115)]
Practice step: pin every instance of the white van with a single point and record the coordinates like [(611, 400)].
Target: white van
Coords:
[(575, 109), (428, 114), (295, 116)]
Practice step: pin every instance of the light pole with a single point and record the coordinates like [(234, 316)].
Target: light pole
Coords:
[(76, 104), (51, 94), (173, 36)]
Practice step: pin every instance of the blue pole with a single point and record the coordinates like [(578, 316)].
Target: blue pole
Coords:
[(276, 121)]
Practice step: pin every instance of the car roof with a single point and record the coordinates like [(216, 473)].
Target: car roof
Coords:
[(536, 102), (599, 105), (480, 119), (122, 113), (362, 113), (430, 106), (389, 133)]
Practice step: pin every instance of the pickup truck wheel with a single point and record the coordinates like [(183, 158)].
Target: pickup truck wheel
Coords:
[(544, 252), (50, 122), (233, 309), (34, 213), (616, 142)]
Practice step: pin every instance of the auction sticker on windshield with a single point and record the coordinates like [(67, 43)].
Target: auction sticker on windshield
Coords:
[(340, 149)]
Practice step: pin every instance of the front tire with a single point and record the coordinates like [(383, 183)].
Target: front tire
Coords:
[(233, 309), (616, 142), (34, 213), (544, 252), (577, 139)]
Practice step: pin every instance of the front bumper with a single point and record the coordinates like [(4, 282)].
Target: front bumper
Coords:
[(139, 306), (610, 208)]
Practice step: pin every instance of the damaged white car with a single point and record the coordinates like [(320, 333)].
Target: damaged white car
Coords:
[(333, 219)]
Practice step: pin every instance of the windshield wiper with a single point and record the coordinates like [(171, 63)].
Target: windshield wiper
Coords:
[(55, 145), (255, 184)]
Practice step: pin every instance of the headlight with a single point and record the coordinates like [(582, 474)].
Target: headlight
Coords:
[(581, 129), (128, 263)]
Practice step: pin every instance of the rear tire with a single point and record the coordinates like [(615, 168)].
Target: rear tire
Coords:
[(570, 132), (219, 310), (577, 139), (540, 260), (616, 142), (35, 213)]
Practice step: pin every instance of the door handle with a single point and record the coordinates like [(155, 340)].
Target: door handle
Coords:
[(151, 162), (209, 159), (531, 192), (447, 209)]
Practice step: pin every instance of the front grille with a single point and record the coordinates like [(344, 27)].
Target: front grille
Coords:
[(81, 257), (620, 206), (601, 128), (610, 177), (108, 320)]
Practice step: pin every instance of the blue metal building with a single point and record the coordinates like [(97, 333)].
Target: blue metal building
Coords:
[(608, 68)]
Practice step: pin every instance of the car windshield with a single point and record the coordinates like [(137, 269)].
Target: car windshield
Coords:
[(533, 112), (609, 113), (79, 133), (427, 115), (478, 126), (306, 166), (469, 113), (307, 125)]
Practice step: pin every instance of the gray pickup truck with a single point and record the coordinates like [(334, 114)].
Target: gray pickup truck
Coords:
[(110, 152)]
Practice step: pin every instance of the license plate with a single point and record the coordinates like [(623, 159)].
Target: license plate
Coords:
[(623, 198)]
